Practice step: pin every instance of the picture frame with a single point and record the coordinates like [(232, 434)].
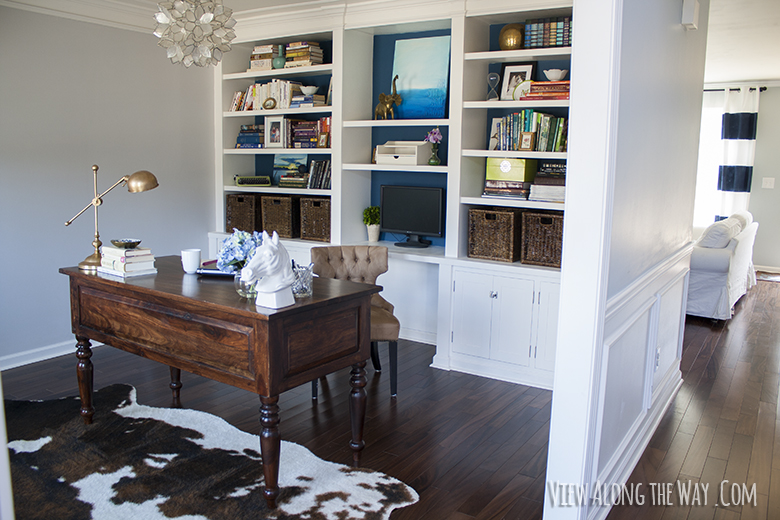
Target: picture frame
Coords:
[(512, 74), (322, 140), (275, 132), (526, 141)]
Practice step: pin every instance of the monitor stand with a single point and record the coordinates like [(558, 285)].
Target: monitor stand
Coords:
[(414, 241)]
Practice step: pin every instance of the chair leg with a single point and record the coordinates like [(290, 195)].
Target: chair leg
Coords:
[(314, 385), (375, 356), (393, 368)]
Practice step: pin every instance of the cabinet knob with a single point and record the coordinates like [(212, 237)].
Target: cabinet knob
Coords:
[(494, 295)]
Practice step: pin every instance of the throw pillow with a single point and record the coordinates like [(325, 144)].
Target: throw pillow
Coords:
[(719, 234), (744, 218)]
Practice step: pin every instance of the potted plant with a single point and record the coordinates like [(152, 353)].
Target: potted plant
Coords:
[(371, 220)]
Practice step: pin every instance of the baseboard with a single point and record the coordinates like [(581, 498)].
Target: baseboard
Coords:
[(421, 336), (39, 354), (767, 269)]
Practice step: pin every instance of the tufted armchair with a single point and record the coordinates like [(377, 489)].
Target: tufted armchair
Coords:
[(363, 264)]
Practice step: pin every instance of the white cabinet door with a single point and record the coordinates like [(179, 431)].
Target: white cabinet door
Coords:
[(547, 325), (471, 313), (512, 318)]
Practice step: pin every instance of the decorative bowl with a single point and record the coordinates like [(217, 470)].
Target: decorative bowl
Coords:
[(126, 243), (309, 90), (555, 74)]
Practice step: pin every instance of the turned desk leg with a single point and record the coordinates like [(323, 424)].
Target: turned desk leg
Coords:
[(357, 409), (270, 444), (176, 387), (85, 378)]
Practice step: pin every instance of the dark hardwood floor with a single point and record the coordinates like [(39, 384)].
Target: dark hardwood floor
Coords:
[(475, 448)]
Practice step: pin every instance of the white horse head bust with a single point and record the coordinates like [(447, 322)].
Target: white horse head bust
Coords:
[(271, 268)]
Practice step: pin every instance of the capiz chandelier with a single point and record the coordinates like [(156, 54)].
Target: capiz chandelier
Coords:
[(195, 31)]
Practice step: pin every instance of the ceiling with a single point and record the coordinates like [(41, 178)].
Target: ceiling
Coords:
[(742, 43)]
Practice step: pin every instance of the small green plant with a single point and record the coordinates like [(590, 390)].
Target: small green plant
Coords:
[(371, 215)]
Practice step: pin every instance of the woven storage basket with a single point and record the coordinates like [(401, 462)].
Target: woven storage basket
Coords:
[(242, 211), (315, 218), (282, 214), (494, 234), (542, 238)]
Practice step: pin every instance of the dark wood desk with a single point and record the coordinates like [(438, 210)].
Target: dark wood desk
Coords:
[(201, 325)]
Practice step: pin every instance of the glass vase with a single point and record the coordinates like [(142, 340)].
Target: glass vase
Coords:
[(245, 290), (434, 160)]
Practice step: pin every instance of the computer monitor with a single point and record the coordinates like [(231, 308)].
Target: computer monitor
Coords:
[(415, 211)]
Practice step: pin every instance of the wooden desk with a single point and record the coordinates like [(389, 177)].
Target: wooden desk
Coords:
[(201, 325)]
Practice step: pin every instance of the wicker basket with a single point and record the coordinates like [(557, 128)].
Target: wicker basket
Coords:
[(542, 238), (282, 214), (494, 234), (315, 218), (242, 211)]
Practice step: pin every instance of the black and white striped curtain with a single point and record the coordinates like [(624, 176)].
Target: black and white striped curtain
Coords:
[(738, 135)]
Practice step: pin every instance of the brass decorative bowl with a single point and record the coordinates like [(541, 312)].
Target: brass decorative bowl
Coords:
[(126, 243), (511, 37)]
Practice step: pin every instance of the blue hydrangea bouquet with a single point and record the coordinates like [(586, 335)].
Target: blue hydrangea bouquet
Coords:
[(237, 250)]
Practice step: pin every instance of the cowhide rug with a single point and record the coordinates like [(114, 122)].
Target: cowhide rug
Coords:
[(137, 462)]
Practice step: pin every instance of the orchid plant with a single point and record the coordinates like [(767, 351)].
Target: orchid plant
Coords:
[(434, 136), (237, 250)]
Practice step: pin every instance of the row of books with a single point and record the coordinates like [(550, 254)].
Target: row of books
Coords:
[(548, 32), (250, 136), (548, 90), (281, 91), (125, 263), (302, 54), (528, 130), (317, 178)]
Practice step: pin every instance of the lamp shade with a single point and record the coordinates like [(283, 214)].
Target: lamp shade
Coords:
[(141, 180)]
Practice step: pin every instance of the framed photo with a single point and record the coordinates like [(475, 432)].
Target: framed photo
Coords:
[(322, 140), (512, 75), (527, 140), (274, 132)]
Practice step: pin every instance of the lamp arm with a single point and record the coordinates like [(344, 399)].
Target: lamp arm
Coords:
[(97, 200)]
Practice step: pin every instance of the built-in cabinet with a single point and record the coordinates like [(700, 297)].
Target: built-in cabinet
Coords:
[(496, 319)]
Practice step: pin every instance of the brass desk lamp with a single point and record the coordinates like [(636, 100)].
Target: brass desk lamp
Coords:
[(139, 181)]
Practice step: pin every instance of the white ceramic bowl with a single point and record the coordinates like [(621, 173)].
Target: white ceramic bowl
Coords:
[(555, 74), (308, 91)]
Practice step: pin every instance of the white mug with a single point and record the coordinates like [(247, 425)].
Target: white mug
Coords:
[(190, 260)]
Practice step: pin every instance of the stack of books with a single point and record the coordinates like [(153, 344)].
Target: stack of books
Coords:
[(294, 180), (548, 32), (319, 175), (263, 57), (304, 134), (250, 136), (549, 183), (548, 90), (124, 263), (504, 188), (307, 101), (303, 54)]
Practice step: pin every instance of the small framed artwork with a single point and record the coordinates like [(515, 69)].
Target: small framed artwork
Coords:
[(512, 75), (527, 140), (322, 140), (274, 132)]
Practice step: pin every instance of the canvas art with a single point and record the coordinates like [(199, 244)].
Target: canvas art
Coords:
[(423, 68)]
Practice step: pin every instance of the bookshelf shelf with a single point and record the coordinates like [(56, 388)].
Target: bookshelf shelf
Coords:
[(422, 168), (280, 112), (274, 151), (547, 103), (275, 190), (324, 69), (507, 202), (374, 123), (550, 53), (527, 154)]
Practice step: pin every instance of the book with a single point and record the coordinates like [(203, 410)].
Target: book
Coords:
[(116, 264), (128, 259), (121, 274), (120, 252)]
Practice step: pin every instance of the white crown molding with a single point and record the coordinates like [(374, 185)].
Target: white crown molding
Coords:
[(375, 13), (276, 22), (133, 15)]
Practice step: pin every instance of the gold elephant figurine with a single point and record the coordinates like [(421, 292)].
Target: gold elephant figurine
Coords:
[(385, 105)]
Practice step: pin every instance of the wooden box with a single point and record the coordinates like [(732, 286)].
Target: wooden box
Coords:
[(315, 218), (243, 212), (494, 233), (542, 238), (281, 213)]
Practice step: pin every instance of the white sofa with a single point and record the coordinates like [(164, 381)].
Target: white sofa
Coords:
[(722, 267)]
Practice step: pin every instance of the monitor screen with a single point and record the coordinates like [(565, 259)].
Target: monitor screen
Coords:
[(414, 211)]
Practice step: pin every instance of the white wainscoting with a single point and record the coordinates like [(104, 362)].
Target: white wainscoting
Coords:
[(643, 341)]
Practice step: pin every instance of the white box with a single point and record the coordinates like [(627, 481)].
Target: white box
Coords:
[(403, 152)]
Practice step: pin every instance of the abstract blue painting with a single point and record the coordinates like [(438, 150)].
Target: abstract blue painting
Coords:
[(423, 69)]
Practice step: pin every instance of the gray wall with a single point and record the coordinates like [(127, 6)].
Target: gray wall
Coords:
[(76, 94), (765, 203)]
